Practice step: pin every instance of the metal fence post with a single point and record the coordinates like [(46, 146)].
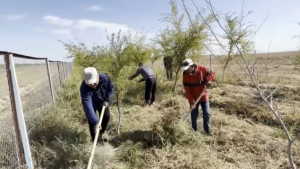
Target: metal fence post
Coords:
[(63, 71), (59, 74), (49, 79), (13, 107), (68, 64), (67, 70), (66, 75), (18, 110)]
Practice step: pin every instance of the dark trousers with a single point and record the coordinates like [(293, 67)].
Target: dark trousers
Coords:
[(206, 116), (150, 90), (169, 73), (105, 120)]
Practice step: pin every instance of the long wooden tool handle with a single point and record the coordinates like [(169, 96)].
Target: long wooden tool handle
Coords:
[(96, 139), (196, 102)]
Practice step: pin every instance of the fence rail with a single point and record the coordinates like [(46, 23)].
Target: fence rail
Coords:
[(28, 85)]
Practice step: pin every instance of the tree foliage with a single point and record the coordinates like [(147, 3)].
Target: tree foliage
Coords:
[(118, 59), (238, 33), (182, 39)]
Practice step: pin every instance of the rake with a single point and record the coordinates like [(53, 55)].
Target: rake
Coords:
[(196, 102), (210, 77), (95, 140)]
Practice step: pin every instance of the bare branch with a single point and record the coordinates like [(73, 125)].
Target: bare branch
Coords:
[(270, 105), (267, 76), (252, 70), (210, 62), (253, 59), (241, 67), (257, 74), (205, 23), (239, 50), (271, 94), (254, 34), (266, 68), (242, 13), (277, 116), (212, 33), (248, 73), (269, 47), (218, 57)]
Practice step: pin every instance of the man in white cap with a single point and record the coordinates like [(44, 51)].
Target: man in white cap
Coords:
[(96, 91), (197, 78)]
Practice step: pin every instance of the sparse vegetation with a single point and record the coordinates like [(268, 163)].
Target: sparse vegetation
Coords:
[(246, 133), (155, 137)]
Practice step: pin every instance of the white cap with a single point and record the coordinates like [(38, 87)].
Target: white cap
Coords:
[(90, 75), (186, 64)]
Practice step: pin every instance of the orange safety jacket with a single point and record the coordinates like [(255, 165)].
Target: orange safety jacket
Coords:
[(195, 83)]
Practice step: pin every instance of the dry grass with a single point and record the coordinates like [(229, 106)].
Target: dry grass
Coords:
[(58, 138), (170, 143), (246, 135)]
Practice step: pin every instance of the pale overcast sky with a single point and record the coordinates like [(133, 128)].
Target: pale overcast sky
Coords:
[(33, 27)]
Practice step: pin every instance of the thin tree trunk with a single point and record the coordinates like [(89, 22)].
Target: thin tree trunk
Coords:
[(227, 62), (210, 62), (290, 141), (224, 70), (176, 78), (289, 150), (223, 78)]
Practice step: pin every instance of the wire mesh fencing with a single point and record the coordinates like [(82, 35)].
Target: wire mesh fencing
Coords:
[(60, 71), (33, 86), (28, 86), (9, 157)]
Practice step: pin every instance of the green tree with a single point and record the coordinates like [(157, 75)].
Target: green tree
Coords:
[(117, 59), (182, 39), (238, 33), (155, 53), (124, 54), (85, 57)]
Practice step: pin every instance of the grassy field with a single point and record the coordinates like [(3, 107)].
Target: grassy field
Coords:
[(246, 135)]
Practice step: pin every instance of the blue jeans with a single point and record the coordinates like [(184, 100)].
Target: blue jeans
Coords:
[(206, 116)]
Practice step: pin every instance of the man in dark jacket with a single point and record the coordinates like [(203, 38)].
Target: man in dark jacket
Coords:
[(96, 91), (168, 63), (150, 79)]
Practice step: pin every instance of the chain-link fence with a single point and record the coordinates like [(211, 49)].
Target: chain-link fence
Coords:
[(9, 156), (28, 85)]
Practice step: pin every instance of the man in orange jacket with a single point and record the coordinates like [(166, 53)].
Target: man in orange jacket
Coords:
[(197, 78)]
